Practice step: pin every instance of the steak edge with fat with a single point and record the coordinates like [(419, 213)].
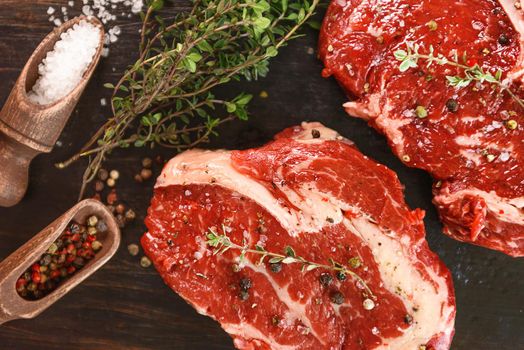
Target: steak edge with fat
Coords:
[(463, 138), (312, 190)]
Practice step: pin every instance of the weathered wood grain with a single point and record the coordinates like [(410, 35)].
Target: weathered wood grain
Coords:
[(124, 306)]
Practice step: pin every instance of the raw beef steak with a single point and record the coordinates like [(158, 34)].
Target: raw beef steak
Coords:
[(467, 133), (313, 198)]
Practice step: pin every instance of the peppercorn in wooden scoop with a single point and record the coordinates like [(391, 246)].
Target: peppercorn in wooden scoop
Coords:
[(29, 125), (12, 304)]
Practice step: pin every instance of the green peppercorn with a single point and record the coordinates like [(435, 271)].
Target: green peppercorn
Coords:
[(145, 262), (432, 25), (96, 245), (355, 262), (133, 249), (341, 276), (512, 124), (421, 112), (52, 248)]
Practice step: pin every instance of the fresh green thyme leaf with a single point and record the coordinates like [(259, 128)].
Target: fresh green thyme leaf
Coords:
[(410, 56), (181, 60), (221, 243)]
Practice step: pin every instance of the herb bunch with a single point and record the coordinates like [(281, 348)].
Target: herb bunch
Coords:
[(222, 243), (409, 58), (166, 96)]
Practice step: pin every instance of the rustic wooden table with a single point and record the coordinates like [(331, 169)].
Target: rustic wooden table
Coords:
[(124, 306)]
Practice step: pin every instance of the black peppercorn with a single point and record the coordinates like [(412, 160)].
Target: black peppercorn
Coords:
[(315, 133), (275, 267), (74, 228), (325, 279), (337, 298), (452, 105), (78, 262), (245, 284), (503, 40)]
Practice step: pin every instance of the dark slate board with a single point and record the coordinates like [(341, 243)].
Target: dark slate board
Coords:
[(124, 306)]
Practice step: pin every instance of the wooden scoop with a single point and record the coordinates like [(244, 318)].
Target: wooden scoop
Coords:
[(12, 305), (27, 128)]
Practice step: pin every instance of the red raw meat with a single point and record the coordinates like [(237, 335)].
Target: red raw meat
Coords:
[(469, 138), (310, 189)]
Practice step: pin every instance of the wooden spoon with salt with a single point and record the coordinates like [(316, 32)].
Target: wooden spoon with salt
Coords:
[(12, 305), (27, 128)]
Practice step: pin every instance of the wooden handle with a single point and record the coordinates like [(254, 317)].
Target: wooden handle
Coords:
[(14, 172), (27, 128)]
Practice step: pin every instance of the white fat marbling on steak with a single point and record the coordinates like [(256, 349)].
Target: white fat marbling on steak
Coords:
[(399, 276)]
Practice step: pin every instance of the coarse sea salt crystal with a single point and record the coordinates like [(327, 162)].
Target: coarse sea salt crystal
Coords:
[(63, 67)]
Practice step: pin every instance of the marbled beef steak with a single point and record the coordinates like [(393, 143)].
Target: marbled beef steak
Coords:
[(311, 190), (470, 138)]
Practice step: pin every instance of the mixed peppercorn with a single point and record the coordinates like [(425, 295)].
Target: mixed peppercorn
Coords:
[(70, 252)]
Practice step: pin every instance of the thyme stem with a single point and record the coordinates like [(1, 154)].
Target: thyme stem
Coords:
[(410, 56), (222, 243)]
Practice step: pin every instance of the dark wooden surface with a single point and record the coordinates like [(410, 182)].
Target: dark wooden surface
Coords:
[(124, 306)]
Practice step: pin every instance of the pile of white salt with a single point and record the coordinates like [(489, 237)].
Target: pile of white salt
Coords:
[(63, 67)]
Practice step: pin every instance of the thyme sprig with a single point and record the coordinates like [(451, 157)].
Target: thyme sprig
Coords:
[(166, 97), (222, 243), (409, 58)]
